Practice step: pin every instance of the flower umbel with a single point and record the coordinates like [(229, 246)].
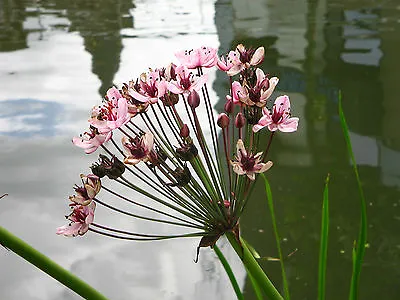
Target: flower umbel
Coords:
[(162, 156)]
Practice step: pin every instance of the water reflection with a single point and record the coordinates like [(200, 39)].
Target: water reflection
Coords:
[(29, 117), (317, 49), (12, 33)]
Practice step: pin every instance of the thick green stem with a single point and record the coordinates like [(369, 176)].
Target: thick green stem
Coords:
[(48, 266), (229, 272), (253, 267)]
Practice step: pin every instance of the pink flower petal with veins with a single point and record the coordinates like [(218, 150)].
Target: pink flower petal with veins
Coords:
[(113, 94), (200, 57)]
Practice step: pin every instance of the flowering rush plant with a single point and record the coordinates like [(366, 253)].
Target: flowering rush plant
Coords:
[(164, 152)]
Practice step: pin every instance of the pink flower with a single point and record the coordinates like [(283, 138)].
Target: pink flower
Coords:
[(81, 217), (186, 81), (139, 149), (244, 58), (279, 118), (85, 194), (263, 89), (150, 88), (201, 57), (248, 163), (92, 140), (112, 115)]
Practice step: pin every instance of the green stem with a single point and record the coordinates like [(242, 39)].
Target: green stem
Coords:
[(48, 266), (253, 267), (229, 272), (256, 287)]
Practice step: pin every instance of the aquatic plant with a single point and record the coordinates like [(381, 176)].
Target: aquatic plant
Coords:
[(167, 156)]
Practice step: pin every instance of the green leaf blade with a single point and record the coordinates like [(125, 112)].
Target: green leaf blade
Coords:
[(323, 251), (362, 235)]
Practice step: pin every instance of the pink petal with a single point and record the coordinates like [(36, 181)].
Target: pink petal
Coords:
[(290, 125), (272, 127), (183, 58), (113, 94), (173, 87), (282, 103), (237, 168), (208, 57), (131, 161), (69, 229), (90, 211), (161, 88), (90, 146), (240, 149), (267, 93), (222, 65), (257, 127), (265, 166), (264, 120), (138, 96), (148, 141), (84, 228), (258, 56), (235, 70), (199, 82), (251, 175), (260, 76)]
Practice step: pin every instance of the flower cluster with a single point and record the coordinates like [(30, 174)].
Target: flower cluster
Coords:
[(154, 144)]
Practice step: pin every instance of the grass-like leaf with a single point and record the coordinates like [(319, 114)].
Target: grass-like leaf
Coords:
[(229, 272), (323, 250), (359, 249), (278, 242)]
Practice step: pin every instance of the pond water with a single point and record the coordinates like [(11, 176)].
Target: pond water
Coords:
[(57, 58)]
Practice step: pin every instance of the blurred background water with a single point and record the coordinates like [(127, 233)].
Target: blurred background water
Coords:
[(57, 58)]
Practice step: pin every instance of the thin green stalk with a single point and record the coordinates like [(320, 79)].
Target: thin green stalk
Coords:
[(359, 251), (229, 272), (323, 250), (253, 267), (48, 266), (277, 238)]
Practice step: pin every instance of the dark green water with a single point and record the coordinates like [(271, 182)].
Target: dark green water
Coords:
[(58, 57)]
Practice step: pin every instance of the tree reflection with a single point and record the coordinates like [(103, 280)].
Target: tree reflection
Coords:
[(12, 33)]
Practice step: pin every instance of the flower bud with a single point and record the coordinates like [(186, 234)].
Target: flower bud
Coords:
[(223, 120), (193, 99), (98, 170), (228, 107), (113, 168), (170, 99), (182, 176), (240, 120), (184, 132), (187, 152)]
